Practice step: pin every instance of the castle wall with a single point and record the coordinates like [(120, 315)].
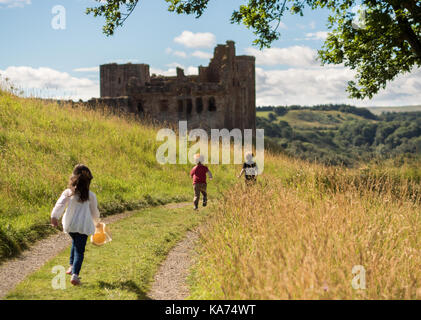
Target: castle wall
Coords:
[(221, 96), (114, 78), (201, 105), (246, 94)]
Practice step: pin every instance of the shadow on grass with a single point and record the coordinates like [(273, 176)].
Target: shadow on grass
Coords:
[(126, 285)]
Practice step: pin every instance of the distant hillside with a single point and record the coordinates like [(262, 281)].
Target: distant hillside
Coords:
[(313, 119), (340, 134), (380, 110)]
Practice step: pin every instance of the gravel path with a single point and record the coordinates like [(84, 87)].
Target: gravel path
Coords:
[(15, 270), (170, 280)]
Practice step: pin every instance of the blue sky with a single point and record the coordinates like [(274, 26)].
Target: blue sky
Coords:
[(64, 62)]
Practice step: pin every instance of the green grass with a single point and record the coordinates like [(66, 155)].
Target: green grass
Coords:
[(239, 259), (41, 142), (123, 268), (307, 119), (263, 114), (312, 119)]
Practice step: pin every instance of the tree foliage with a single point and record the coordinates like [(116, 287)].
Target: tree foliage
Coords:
[(385, 136), (379, 42)]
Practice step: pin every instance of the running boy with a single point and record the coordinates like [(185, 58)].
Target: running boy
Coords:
[(250, 169), (198, 173)]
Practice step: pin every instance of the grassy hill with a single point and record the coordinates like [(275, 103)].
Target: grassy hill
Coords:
[(312, 119), (41, 142), (297, 234)]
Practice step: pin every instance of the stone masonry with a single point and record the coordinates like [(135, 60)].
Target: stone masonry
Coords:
[(223, 95)]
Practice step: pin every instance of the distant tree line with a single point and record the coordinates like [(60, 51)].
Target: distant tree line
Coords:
[(389, 135)]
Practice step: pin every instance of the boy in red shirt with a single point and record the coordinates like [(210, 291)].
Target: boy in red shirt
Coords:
[(198, 173)]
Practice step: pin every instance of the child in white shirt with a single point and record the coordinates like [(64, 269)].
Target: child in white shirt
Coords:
[(80, 217)]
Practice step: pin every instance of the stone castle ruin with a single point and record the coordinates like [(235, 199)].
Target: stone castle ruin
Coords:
[(223, 95)]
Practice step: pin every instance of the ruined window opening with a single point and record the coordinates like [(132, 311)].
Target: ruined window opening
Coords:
[(180, 106), (189, 106), (119, 80), (199, 105), (164, 105), (140, 107), (212, 104)]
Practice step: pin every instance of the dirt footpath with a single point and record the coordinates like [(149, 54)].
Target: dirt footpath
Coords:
[(170, 281), (16, 270)]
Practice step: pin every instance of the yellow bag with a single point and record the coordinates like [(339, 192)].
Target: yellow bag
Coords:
[(102, 235)]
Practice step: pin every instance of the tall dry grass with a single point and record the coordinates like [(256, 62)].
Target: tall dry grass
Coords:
[(298, 238)]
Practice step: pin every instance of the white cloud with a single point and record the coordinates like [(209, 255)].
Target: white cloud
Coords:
[(190, 70), (167, 73), (50, 83), (171, 71), (316, 85), (175, 65), (202, 55), (196, 40), (306, 82), (182, 54), (14, 3), (291, 56), (300, 86), (90, 69), (319, 35)]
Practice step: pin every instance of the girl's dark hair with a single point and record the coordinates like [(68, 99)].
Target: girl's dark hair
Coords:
[(80, 181)]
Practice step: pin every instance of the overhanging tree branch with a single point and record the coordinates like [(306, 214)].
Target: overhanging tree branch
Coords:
[(407, 31)]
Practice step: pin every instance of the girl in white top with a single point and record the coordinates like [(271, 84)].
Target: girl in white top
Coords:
[(80, 217)]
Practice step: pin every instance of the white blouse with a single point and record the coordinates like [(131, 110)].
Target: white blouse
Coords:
[(80, 217)]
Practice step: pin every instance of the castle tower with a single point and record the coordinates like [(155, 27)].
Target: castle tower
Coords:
[(116, 77)]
